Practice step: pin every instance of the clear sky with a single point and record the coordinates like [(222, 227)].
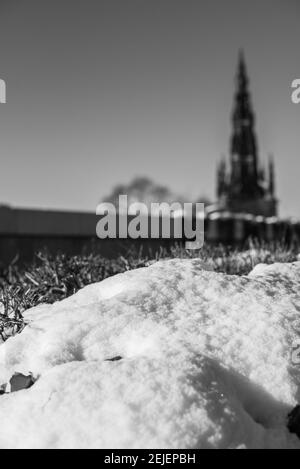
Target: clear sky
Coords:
[(100, 91)]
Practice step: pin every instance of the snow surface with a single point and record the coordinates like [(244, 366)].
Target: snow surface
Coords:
[(206, 362)]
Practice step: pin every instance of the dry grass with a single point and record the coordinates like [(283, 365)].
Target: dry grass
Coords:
[(50, 278)]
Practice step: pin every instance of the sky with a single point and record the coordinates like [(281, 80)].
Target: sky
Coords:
[(102, 91)]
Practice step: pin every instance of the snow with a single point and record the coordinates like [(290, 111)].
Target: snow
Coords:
[(206, 362)]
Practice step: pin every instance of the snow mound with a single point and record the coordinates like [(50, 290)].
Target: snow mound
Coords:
[(205, 362)]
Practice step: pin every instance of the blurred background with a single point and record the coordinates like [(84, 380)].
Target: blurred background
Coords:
[(102, 91), (138, 95)]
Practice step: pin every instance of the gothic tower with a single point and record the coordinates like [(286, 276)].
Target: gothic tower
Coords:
[(244, 187)]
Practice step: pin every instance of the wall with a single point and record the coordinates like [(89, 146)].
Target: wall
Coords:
[(25, 232)]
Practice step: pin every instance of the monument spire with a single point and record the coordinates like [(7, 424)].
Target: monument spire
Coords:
[(242, 187), (243, 142)]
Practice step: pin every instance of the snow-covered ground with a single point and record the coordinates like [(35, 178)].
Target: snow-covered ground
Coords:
[(206, 362)]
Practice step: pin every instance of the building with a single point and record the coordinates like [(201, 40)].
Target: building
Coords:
[(243, 186)]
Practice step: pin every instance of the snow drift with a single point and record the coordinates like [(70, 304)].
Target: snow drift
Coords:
[(203, 361)]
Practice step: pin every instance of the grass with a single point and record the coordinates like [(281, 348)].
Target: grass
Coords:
[(52, 278)]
